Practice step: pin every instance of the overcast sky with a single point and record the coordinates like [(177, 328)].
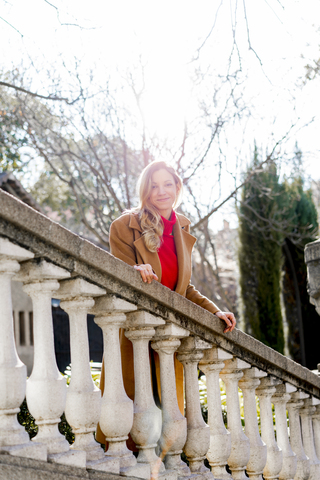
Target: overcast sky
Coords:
[(110, 37), (167, 34)]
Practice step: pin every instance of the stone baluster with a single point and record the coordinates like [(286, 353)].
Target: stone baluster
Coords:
[(258, 449), (303, 462), (14, 440), (306, 413), (116, 418), (147, 418), (265, 391), (83, 403), (220, 439), (174, 424), (316, 430), (240, 445), (46, 387), (289, 458), (190, 353)]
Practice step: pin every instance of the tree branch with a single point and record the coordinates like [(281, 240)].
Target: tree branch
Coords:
[(33, 94), (10, 25)]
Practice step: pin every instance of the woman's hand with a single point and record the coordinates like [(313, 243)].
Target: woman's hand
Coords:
[(229, 318), (147, 273)]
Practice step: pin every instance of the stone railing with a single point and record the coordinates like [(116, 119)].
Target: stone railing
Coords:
[(54, 263)]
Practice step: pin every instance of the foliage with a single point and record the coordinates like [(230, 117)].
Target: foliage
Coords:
[(260, 256), (28, 422), (95, 368), (12, 138), (276, 221), (223, 395), (89, 175)]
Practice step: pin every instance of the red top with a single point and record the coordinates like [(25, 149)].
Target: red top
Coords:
[(168, 254)]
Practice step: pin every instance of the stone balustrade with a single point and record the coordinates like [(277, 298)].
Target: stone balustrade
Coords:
[(51, 262)]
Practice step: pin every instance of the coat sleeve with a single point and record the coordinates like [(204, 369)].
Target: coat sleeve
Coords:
[(121, 241), (195, 296)]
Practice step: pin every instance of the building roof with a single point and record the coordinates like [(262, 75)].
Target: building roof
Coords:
[(10, 184)]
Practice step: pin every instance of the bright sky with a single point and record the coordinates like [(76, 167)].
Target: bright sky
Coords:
[(166, 35)]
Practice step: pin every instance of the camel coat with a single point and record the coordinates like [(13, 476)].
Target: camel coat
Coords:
[(127, 244)]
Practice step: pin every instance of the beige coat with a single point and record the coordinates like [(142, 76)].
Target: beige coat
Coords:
[(127, 243)]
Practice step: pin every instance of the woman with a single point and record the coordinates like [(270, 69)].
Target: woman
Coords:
[(155, 240)]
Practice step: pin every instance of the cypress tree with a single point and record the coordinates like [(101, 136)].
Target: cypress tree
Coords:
[(260, 256)]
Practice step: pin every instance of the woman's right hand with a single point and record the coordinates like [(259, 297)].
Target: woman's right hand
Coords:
[(146, 271)]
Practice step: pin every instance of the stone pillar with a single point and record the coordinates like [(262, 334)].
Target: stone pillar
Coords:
[(174, 425), (14, 440), (116, 418), (274, 454), (303, 462), (311, 257), (306, 413), (220, 439), (316, 430), (240, 445), (46, 387), (258, 449), (190, 353), (147, 418), (83, 403), (289, 458)]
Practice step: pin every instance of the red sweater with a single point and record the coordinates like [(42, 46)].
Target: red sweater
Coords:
[(168, 254)]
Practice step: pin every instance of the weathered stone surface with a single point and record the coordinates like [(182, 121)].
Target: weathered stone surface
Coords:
[(45, 238), (312, 259), (220, 438), (147, 422), (312, 251), (18, 468)]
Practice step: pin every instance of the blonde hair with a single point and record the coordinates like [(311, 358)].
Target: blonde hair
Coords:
[(150, 219)]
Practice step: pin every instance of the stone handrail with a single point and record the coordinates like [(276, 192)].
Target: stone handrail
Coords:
[(52, 262)]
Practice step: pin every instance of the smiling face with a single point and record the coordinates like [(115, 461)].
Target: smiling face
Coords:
[(164, 192)]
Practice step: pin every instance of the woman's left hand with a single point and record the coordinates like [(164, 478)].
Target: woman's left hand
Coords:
[(229, 318)]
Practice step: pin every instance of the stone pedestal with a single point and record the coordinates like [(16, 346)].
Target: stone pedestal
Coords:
[(83, 403), (116, 418), (258, 449), (265, 391), (306, 413), (190, 353), (14, 440), (240, 445), (174, 425), (289, 458), (312, 257), (147, 418), (46, 387), (303, 462), (220, 439), (316, 430)]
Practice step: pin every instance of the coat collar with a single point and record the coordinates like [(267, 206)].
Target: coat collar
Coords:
[(184, 242), (135, 223)]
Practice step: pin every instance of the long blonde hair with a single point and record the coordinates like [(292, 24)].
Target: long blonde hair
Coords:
[(150, 219)]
